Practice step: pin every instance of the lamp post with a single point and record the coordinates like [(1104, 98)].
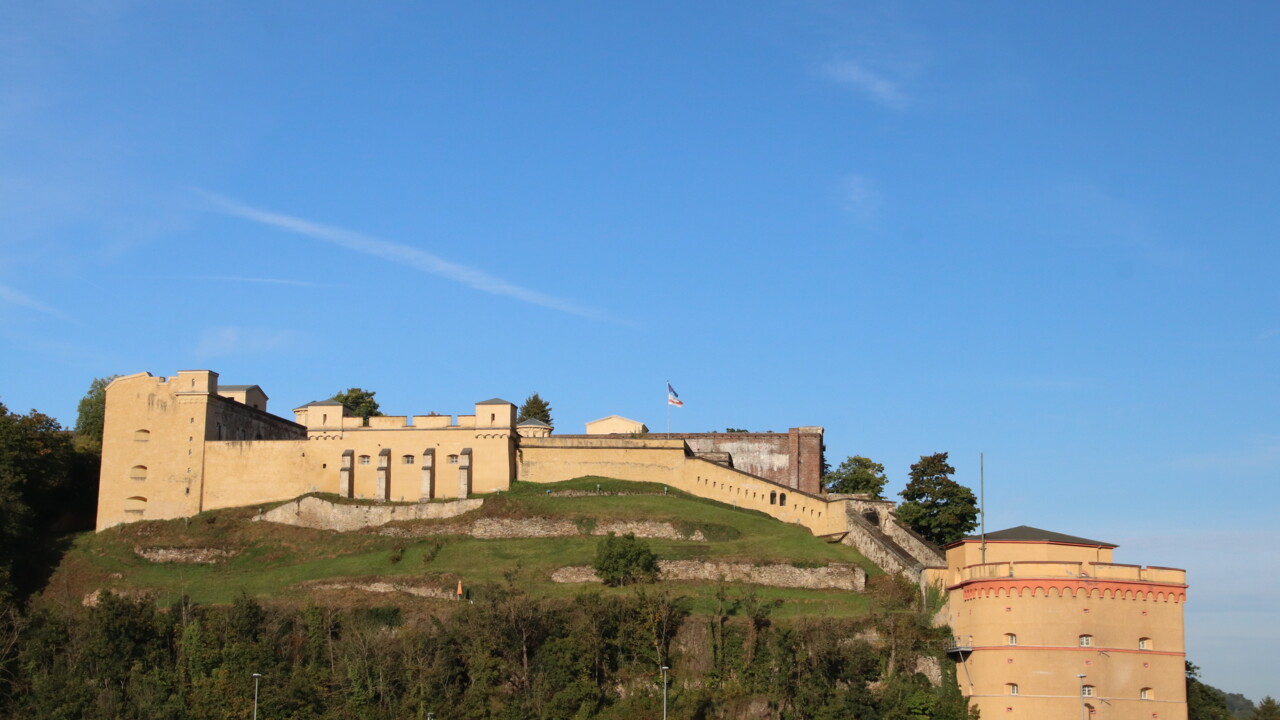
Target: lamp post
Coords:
[(664, 691), (1083, 714), (256, 678)]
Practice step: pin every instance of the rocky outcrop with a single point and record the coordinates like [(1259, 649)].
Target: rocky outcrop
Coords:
[(313, 512), (384, 586), (201, 556), (836, 576)]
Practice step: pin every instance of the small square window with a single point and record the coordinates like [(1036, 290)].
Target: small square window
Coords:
[(1086, 641), (364, 459), (407, 460)]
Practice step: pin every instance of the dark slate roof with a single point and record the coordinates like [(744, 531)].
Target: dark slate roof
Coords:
[(237, 387), (1026, 533), (322, 402), (532, 421), (495, 401)]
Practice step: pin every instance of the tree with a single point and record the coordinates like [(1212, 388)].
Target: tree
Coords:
[(1204, 702), (37, 463), (857, 474), (359, 402), (535, 408), (937, 507), (1268, 709), (624, 560), (91, 415)]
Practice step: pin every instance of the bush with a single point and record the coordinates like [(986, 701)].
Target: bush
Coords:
[(625, 560)]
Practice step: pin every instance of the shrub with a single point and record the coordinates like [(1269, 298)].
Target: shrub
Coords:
[(625, 560)]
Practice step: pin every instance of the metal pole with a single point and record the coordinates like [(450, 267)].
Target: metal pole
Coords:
[(664, 691), (1083, 714), (256, 677), (982, 512)]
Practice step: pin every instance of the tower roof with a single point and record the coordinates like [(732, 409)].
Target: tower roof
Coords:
[(494, 401), (1026, 533)]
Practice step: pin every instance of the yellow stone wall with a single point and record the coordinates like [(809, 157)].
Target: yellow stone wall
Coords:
[(616, 424)]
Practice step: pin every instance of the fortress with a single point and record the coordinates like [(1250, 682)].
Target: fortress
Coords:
[(1047, 626)]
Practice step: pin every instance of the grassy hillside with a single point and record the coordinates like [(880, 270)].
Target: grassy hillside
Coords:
[(284, 563)]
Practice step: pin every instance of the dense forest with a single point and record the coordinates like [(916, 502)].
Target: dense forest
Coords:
[(504, 655)]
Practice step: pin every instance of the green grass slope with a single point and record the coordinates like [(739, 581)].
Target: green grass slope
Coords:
[(284, 563)]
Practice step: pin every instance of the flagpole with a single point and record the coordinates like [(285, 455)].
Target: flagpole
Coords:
[(668, 412)]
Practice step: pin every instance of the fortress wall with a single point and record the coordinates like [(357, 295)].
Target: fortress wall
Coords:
[(231, 420), (491, 460), (666, 462), (239, 473), (152, 451)]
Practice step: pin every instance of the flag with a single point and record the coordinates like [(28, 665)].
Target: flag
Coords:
[(673, 397)]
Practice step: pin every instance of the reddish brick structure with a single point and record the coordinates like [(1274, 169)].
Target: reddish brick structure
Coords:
[(793, 459)]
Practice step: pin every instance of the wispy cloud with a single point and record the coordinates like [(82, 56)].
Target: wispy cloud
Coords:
[(400, 254), (221, 341), (1267, 335), (875, 85), (274, 281), (12, 296), (860, 196)]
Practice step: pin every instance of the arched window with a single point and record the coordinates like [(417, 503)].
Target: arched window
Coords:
[(1146, 694), (773, 497), (1013, 688), (453, 459), (782, 498), (1086, 641), (1144, 643), (407, 459), (1086, 690), (1010, 639), (141, 435), (135, 504), (364, 459), (138, 472)]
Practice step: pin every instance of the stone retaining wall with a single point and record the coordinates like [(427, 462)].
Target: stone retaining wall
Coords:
[(837, 576)]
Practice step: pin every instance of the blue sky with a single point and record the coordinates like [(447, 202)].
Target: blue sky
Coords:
[(1045, 232)]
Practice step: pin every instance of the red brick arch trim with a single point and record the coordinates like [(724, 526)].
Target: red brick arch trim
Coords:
[(1074, 588)]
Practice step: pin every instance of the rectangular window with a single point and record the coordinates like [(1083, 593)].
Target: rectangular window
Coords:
[(364, 459), (1086, 641)]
